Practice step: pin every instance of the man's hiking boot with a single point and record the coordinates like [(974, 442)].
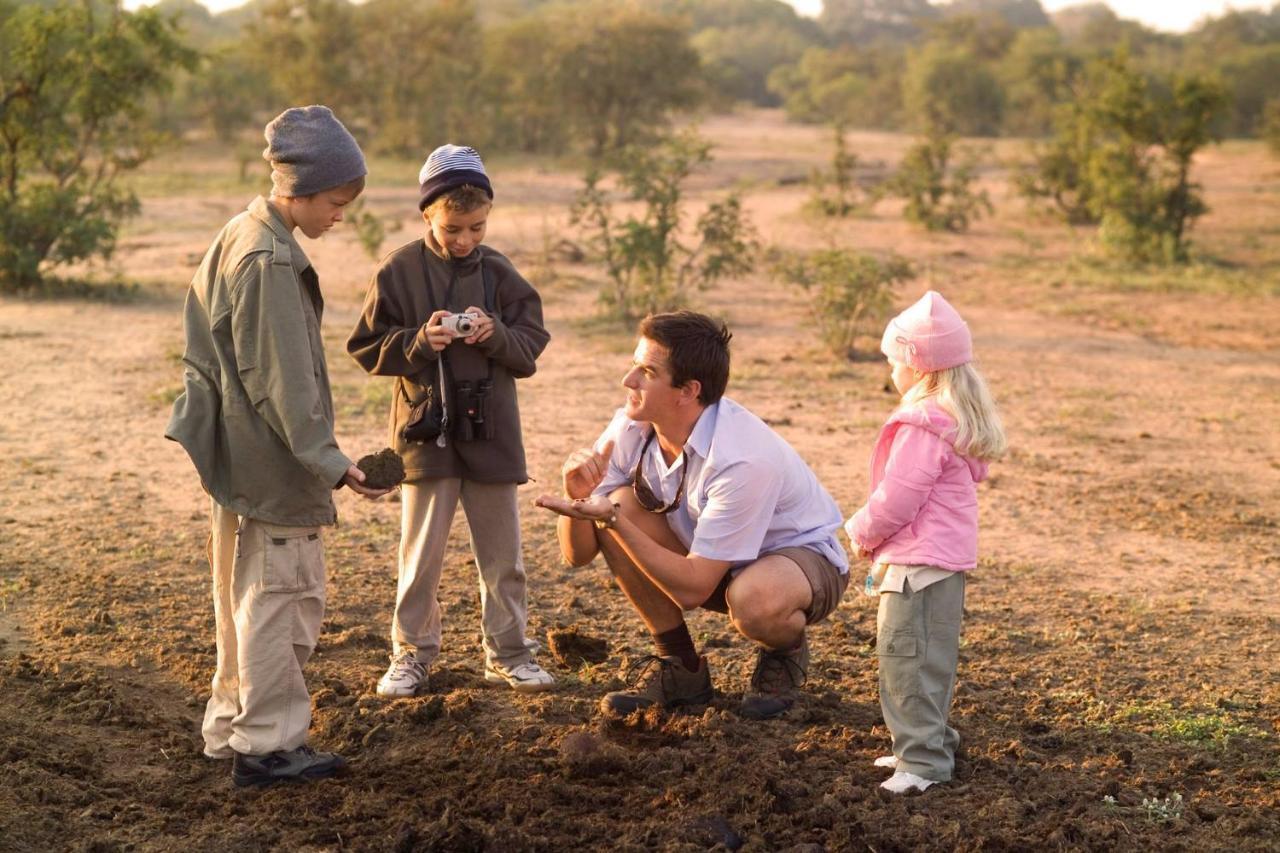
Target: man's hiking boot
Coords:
[(303, 764), (664, 682), (779, 674)]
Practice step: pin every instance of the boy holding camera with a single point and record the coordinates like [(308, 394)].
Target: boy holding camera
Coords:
[(456, 325)]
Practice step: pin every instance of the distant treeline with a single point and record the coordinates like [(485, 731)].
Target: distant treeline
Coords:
[(592, 75)]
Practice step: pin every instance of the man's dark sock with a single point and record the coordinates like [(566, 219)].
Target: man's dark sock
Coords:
[(678, 644)]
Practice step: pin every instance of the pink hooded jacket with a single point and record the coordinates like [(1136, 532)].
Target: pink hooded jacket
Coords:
[(923, 509)]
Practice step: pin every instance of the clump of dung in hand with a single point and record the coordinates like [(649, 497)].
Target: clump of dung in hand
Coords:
[(382, 470)]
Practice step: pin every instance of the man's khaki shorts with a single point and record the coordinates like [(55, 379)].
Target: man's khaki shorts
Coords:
[(824, 578)]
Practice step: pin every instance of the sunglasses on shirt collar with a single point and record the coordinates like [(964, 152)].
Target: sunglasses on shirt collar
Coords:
[(644, 495)]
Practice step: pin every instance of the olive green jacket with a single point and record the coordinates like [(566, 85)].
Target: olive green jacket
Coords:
[(256, 415)]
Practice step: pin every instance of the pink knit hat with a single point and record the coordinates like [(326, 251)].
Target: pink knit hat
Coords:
[(928, 336)]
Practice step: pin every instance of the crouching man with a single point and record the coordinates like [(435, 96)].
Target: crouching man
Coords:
[(696, 503)]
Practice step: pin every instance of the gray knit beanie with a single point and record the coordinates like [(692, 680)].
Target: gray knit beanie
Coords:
[(309, 150)]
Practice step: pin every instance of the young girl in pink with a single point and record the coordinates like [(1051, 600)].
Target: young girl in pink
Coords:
[(919, 528)]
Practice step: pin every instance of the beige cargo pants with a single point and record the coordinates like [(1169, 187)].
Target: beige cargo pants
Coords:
[(918, 643), (268, 603), (493, 516)]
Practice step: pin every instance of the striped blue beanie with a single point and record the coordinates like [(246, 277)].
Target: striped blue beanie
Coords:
[(449, 167)]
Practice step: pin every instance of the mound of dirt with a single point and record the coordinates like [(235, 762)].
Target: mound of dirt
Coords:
[(573, 648), (382, 470)]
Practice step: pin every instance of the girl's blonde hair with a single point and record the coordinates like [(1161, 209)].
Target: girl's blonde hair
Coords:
[(962, 393)]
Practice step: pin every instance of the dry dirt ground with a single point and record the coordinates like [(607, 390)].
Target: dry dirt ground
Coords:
[(1120, 675)]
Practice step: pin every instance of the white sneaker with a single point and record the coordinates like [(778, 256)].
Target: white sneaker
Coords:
[(405, 677), (901, 782), (887, 761), (524, 678)]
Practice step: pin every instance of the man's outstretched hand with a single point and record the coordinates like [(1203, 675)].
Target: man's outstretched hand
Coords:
[(596, 508)]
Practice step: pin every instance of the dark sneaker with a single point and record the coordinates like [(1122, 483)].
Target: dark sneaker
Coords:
[(778, 675), (664, 682), (303, 764)]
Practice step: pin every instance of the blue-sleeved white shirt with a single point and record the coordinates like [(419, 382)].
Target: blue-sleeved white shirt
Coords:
[(747, 492)]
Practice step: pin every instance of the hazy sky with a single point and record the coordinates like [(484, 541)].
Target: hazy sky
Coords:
[(1172, 15)]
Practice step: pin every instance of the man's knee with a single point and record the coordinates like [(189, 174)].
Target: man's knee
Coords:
[(753, 607), (760, 601)]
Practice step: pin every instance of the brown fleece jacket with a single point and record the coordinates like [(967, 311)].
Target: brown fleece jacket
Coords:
[(389, 340)]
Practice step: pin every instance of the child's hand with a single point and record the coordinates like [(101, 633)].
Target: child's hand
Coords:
[(438, 336), (484, 327), (863, 553), (354, 479)]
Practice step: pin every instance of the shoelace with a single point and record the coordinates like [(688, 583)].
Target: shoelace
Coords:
[(406, 661), (642, 667), (781, 665)]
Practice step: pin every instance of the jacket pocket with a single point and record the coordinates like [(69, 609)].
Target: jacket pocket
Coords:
[(290, 556)]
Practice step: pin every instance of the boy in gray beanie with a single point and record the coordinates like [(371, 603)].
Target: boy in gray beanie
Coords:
[(256, 418)]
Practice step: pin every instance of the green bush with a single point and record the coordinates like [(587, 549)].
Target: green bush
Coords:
[(370, 230), (1058, 170), (74, 86), (850, 294), (1140, 174), (649, 268), (1122, 155), (939, 192), (838, 193)]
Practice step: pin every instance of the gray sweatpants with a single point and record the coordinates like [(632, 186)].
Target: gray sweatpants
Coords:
[(427, 510), (918, 643)]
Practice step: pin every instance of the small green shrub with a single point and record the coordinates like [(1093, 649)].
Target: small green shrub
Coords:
[(838, 193), (650, 269), (939, 192), (850, 294), (369, 229)]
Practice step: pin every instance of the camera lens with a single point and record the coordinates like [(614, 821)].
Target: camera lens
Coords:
[(465, 326)]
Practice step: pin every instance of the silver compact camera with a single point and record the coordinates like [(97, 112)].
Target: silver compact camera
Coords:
[(461, 325)]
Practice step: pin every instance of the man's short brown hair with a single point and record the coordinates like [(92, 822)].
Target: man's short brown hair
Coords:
[(463, 199), (697, 348)]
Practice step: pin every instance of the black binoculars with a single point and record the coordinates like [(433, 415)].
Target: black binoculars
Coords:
[(473, 423)]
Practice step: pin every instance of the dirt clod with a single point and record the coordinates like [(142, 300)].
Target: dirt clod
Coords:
[(382, 470), (573, 648)]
